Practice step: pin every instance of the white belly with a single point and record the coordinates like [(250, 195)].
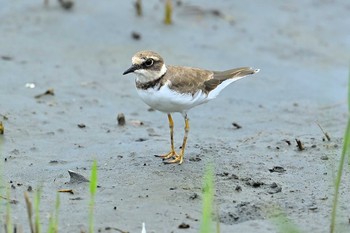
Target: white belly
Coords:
[(168, 101)]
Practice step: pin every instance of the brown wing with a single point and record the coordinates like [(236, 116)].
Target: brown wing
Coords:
[(187, 79), (220, 76)]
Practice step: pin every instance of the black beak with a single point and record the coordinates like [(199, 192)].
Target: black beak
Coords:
[(131, 69)]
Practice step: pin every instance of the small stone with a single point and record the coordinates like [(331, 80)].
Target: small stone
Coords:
[(136, 35), (274, 188), (288, 142), (81, 125), (277, 169), (238, 188), (237, 126), (184, 226), (194, 196), (121, 119), (314, 207), (66, 4), (6, 58), (195, 159), (140, 140)]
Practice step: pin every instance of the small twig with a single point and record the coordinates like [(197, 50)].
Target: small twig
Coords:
[(299, 144), (30, 211), (116, 229), (12, 201), (2, 128), (66, 191), (138, 7), (168, 12), (324, 132), (333, 105), (237, 126), (287, 141), (48, 92), (250, 138)]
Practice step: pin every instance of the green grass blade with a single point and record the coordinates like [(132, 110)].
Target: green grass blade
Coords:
[(36, 210), (2, 184), (53, 221), (93, 179), (93, 188), (208, 197), (51, 225), (345, 150), (57, 207), (348, 118), (349, 91)]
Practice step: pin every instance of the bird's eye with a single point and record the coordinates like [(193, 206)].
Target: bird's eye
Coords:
[(149, 62)]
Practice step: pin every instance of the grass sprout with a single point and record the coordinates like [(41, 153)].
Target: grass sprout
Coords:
[(93, 189), (53, 220), (208, 197), (345, 151), (37, 212)]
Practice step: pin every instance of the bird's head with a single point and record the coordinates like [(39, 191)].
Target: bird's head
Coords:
[(147, 65)]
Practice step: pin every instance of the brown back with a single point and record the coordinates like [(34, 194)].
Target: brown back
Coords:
[(189, 80)]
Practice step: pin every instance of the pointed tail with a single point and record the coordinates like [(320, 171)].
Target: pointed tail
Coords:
[(221, 76)]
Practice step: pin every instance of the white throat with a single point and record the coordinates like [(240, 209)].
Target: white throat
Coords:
[(149, 75)]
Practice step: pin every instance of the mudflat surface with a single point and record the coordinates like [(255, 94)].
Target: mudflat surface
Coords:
[(302, 49)]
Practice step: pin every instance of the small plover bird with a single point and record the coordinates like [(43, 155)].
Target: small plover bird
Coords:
[(172, 89)]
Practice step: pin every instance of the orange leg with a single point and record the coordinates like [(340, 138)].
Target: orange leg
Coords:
[(179, 158), (172, 152)]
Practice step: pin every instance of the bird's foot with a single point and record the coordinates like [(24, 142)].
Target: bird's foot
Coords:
[(175, 158), (169, 155)]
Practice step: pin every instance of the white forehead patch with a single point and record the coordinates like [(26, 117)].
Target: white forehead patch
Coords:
[(140, 60), (137, 60)]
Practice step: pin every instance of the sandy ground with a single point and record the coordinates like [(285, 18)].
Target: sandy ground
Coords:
[(302, 49)]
